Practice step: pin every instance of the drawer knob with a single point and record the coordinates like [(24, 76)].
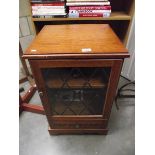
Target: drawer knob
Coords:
[(77, 126)]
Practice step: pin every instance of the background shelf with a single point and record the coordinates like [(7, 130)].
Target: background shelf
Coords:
[(120, 19), (114, 16)]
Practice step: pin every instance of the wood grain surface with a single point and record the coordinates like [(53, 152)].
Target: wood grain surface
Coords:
[(72, 39)]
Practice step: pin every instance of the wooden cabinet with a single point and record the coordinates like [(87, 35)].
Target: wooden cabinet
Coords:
[(76, 69)]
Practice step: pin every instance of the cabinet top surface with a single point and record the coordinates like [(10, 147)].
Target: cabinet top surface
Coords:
[(81, 39)]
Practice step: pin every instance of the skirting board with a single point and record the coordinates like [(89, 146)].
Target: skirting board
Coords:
[(77, 131)]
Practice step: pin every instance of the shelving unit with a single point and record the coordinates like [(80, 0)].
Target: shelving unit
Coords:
[(114, 16), (120, 19)]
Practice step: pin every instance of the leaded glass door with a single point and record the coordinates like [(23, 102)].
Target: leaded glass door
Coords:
[(74, 87), (76, 90)]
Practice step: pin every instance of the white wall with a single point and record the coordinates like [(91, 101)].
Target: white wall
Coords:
[(26, 33), (129, 64)]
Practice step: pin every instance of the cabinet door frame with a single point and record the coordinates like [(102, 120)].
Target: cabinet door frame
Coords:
[(115, 64)]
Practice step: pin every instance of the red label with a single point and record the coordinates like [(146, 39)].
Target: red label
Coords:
[(90, 14)]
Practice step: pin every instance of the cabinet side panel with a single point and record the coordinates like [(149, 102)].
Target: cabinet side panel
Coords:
[(112, 87)]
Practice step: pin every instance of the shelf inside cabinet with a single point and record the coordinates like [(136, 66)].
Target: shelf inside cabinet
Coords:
[(76, 83), (76, 79), (113, 16)]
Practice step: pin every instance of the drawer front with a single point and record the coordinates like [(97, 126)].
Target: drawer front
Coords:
[(76, 124)]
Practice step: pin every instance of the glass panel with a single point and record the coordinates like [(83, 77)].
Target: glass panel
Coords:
[(76, 91)]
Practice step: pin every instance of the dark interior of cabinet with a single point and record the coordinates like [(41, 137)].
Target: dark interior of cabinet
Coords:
[(76, 91), (121, 5)]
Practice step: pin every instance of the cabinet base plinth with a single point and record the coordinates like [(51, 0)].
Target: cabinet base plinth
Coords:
[(77, 131)]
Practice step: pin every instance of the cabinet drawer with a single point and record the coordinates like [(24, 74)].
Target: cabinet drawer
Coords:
[(76, 124)]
